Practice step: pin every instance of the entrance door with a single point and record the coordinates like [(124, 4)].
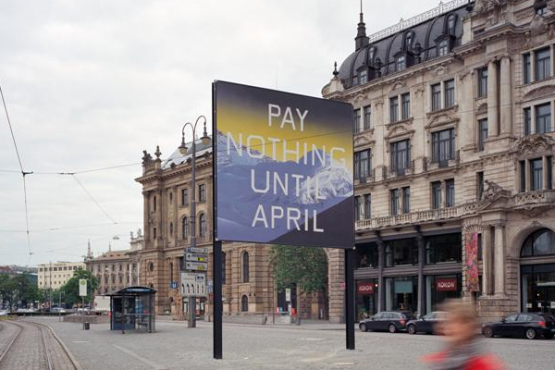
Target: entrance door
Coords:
[(538, 288)]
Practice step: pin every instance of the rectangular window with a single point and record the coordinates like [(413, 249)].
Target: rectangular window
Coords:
[(536, 174), (358, 208), (368, 206), (394, 202), (400, 156), (362, 164), (526, 68), (443, 248), (184, 197), (527, 121), (522, 176), (543, 118), (393, 109), (405, 106), (449, 87), (356, 122), (202, 193), (367, 117), (363, 77), (406, 199), (450, 193), (542, 64), (436, 97), (482, 133), (443, 146), (482, 82), (479, 185), (436, 195)]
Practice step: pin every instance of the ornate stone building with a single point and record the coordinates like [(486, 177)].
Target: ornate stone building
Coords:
[(454, 140), (116, 269), (249, 292)]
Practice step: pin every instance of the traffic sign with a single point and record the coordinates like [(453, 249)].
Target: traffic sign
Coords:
[(196, 266), (83, 287), (193, 284), (197, 250), (173, 285), (194, 257)]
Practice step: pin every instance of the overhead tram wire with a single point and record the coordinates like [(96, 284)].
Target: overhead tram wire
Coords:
[(93, 199), (23, 172)]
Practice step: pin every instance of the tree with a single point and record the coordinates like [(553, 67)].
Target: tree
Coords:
[(305, 268), (19, 288), (70, 289)]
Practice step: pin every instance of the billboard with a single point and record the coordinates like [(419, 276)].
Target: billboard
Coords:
[(283, 167)]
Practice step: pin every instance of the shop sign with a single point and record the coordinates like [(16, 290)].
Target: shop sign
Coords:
[(365, 288), (446, 285)]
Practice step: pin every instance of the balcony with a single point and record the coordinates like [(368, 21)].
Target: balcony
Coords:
[(430, 164), (393, 173), (419, 217), (533, 198)]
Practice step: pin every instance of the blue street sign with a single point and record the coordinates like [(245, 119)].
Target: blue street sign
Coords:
[(173, 285)]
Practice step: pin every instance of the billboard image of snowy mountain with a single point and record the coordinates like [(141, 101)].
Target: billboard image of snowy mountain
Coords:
[(284, 168)]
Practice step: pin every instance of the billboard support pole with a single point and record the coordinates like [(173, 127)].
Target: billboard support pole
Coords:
[(349, 298), (218, 305)]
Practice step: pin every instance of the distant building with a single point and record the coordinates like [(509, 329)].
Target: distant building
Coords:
[(118, 269), (54, 275)]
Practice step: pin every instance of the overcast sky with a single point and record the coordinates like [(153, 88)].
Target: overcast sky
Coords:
[(90, 84)]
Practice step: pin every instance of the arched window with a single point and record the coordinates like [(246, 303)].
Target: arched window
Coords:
[(185, 228), (245, 303), (451, 24), (539, 243), (223, 267), (171, 228), (442, 48), (202, 224), (150, 266), (245, 267)]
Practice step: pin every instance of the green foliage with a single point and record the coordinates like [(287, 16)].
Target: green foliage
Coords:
[(18, 288), (305, 267), (70, 290)]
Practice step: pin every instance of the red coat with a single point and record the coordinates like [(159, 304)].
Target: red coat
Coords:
[(483, 362)]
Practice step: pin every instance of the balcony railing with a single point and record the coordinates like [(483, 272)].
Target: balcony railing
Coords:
[(392, 173), (430, 164), (433, 215), (535, 198)]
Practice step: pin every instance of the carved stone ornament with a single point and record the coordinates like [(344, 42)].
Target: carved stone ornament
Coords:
[(494, 192), (146, 157), (360, 98), (542, 91), (483, 6), (536, 143), (538, 25), (399, 85)]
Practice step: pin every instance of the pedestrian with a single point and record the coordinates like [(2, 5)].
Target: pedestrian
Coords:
[(463, 349)]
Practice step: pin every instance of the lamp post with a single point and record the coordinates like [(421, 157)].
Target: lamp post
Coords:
[(191, 323)]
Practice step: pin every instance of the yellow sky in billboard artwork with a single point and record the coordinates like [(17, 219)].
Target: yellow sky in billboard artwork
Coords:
[(254, 129)]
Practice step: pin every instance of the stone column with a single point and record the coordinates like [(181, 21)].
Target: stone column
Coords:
[(505, 97), (421, 281), (486, 260), (336, 276), (499, 259), (468, 131), (493, 117)]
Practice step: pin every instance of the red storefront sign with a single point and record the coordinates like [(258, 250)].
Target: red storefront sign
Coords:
[(365, 288), (446, 285)]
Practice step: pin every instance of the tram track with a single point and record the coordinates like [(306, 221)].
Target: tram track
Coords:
[(34, 346)]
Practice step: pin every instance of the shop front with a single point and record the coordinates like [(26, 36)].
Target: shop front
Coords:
[(366, 298), (441, 287)]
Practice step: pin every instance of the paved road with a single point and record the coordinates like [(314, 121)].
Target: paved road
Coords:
[(174, 346)]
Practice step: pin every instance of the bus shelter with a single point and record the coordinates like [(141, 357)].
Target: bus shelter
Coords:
[(132, 308)]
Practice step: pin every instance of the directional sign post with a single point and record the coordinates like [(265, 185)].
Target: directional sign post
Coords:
[(193, 284)]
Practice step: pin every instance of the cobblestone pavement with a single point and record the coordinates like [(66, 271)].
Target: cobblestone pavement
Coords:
[(27, 352), (174, 346)]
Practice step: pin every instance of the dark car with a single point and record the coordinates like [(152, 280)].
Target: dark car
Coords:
[(524, 324), (392, 321), (426, 323)]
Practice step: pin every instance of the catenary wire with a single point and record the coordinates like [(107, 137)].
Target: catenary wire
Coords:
[(93, 199)]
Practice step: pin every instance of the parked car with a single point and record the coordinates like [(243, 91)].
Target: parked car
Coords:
[(4, 312), (57, 309), (425, 323), (392, 321), (524, 324)]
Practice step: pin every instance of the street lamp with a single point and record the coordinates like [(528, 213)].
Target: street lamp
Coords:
[(205, 139)]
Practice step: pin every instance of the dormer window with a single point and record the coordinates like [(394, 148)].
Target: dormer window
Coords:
[(451, 24), (400, 63), (443, 48), (363, 77)]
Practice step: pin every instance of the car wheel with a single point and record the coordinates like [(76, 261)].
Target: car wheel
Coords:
[(363, 327), (531, 333), (412, 329), (392, 328), (548, 336), (488, 332)]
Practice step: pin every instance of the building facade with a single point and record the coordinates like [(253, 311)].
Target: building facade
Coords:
[(55, 275), (117, 269), (453, 154), (249, 293)]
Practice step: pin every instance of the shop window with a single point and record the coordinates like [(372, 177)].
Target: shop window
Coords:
[(401, 252), (366, 298), (401, 293), (367, 256), (443, 248), (441, 288)]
